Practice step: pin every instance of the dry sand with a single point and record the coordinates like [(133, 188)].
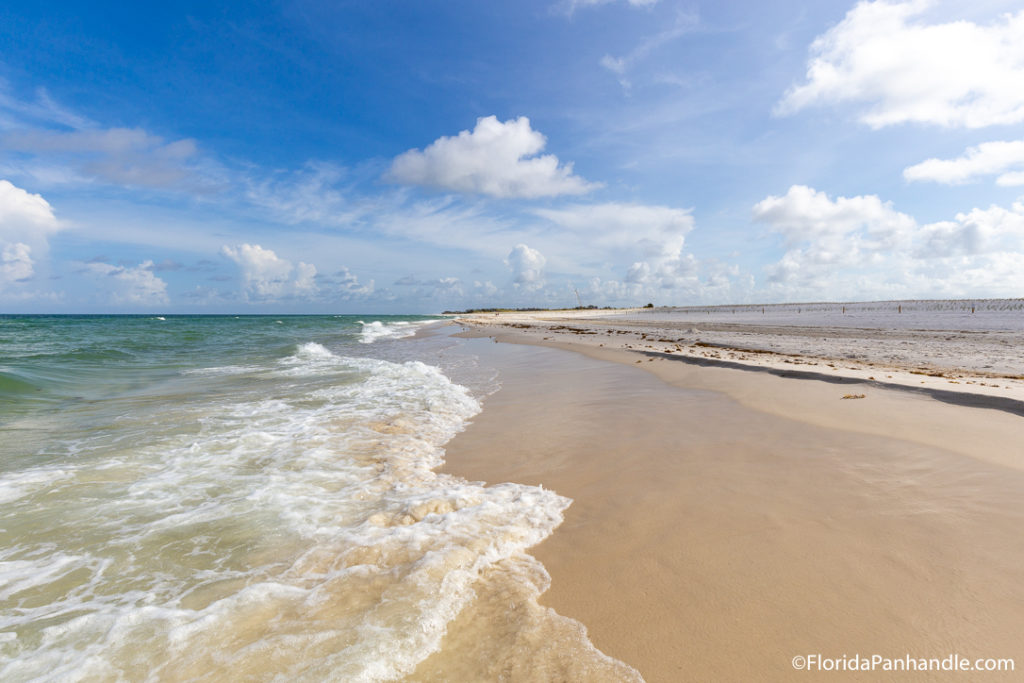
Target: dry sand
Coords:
[(726, 521)]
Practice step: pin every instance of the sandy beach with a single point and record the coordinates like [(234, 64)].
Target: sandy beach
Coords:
[(732, 513)]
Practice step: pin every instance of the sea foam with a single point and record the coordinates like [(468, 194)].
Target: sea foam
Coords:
[(283, 523), (377, 330)]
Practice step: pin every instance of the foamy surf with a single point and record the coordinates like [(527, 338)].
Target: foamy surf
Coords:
[(377, 330), (296, 532)]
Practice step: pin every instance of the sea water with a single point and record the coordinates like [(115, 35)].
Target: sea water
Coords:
[(248, 498)]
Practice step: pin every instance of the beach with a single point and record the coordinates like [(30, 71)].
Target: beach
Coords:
[(731, 513), (547, 496)]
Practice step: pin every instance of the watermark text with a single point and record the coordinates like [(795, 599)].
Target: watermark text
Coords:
[(856, 662)]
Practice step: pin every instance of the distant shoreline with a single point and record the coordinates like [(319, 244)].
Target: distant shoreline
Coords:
[(964, 351)]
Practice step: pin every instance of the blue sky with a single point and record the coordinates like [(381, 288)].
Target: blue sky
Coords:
[(418, 156)]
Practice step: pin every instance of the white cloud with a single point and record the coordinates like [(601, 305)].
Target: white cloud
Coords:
[(495, 158), (345, 285), (266, 276), (823, 235), (988, 158), (305, 274), (848, 223), (16, 263), (979, 231), (136, 285), (23, 213), (485, 288), (527, 266), (860, 247), (26, 222), (902, 69)]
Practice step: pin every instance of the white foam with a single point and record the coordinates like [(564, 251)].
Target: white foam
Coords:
[(377, 330), (16, 485), (299, 532)]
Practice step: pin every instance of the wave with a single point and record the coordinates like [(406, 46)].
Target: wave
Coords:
[(377, 330), (291, 527)]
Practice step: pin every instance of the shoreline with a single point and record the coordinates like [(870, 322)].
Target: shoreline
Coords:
[(699, 491), (979, 362), (759, 380)]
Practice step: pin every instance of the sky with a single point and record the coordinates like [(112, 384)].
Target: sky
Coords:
[(401, 156)]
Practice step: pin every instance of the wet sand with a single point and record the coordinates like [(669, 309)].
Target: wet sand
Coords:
[(725, 521)]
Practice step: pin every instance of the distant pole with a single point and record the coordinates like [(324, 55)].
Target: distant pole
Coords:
[(899, 308)]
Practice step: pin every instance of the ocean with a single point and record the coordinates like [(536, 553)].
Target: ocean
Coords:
[(245, 498)]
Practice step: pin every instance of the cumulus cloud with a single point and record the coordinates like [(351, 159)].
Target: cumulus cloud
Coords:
[(860, 247), (824, 234), (23, 213), (266, 276), (26, 222), (495, 158), (527, 266), (136, 285), (988, 158), (979, 231), (884, 56), (840, 227)]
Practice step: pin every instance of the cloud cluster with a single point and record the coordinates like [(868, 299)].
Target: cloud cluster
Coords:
[(1002, 159), (267, 277), (859, 247), (495, 158), (135, 285), (883, 56)]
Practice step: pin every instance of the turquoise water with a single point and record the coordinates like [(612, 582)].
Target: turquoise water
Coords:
[(85, 368), (243, 498)]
